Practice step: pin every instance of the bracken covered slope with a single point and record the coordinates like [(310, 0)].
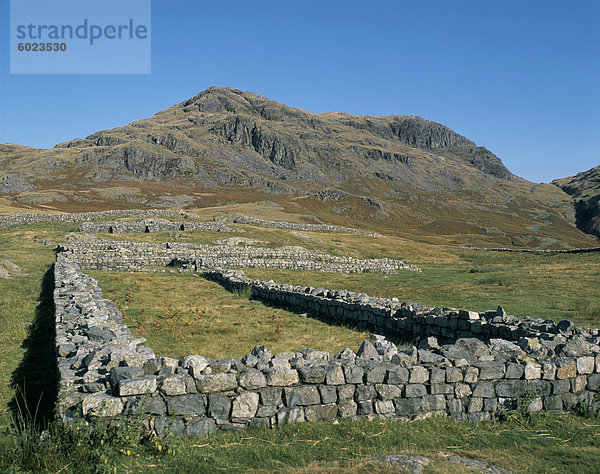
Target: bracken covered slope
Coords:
[(225, 145)]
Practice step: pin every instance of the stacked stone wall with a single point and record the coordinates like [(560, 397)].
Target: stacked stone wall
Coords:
[(154, 225), (22, 219), (295, 226), (106, 373), (139, 256)]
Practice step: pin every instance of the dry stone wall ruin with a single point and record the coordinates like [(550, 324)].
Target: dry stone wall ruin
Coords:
[(142, 256), (154, 225), (22, 219), (466, 365)]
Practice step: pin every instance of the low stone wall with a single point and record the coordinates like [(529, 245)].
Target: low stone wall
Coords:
[(154, 225), (308, 227), (507, 249), (138, 256), (408, 320), (105, 372), (20, 219)]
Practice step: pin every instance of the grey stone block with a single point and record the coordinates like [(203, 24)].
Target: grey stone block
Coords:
[(216, 383), (245, 405), (364, 407), (219, 406), (413, 390), (418, 375), (490, 370), (375, 373), (514, 370), (365, 392), (511, 388), (312, 373), (397, 376), (186, 405), (302, 396), (561, 386), (321, 412), (329, 394), (441, 389), (271, 396), (344, 392), (281, 377), (594, 382), (407, 406), (354, 374), (553, 403), (433, 403), (200, 427), (484, 390), (290, 415), (388, 391), (453, 375), (251, 379), (335, 375)]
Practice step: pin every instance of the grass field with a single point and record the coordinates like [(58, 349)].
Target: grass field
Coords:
[(182, 314)]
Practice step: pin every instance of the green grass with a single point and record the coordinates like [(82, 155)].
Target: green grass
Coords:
[(544, 286), (542, 443), (555, 286)]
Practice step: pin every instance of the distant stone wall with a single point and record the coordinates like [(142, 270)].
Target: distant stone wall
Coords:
[(20, 219), (507, 249), (154, 225), (105, 372), (308, 227), (138, 256)]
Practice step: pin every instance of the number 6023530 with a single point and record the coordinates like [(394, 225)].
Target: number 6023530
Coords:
[(49, 47)]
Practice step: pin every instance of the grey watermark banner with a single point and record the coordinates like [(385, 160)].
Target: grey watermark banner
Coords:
[(80, 37)]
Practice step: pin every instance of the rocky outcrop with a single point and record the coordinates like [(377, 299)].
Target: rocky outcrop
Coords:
[(585, 191), (15, 183), (233, 130), (279, 149)]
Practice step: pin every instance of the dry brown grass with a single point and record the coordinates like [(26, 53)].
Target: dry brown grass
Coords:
[(182, 314)]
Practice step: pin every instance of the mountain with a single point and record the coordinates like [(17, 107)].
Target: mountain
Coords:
[(585, 190), (399, 173)]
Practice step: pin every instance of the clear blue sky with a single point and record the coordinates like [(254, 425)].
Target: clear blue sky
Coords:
[(521, 77)]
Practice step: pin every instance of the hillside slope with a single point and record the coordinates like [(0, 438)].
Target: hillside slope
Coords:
[(585, 190), (396, 173)]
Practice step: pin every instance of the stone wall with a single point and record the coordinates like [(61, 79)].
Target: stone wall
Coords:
[(105, 372), (138, 256), (308, 227), (20, 219), (506, 249), (154, 225), (409, 320)]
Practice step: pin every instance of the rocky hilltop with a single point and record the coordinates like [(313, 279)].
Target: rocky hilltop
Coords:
[(228, 137), (585, 189), (226, 146)]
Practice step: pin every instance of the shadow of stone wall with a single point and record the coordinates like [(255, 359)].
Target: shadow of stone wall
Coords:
[(35, 379)]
